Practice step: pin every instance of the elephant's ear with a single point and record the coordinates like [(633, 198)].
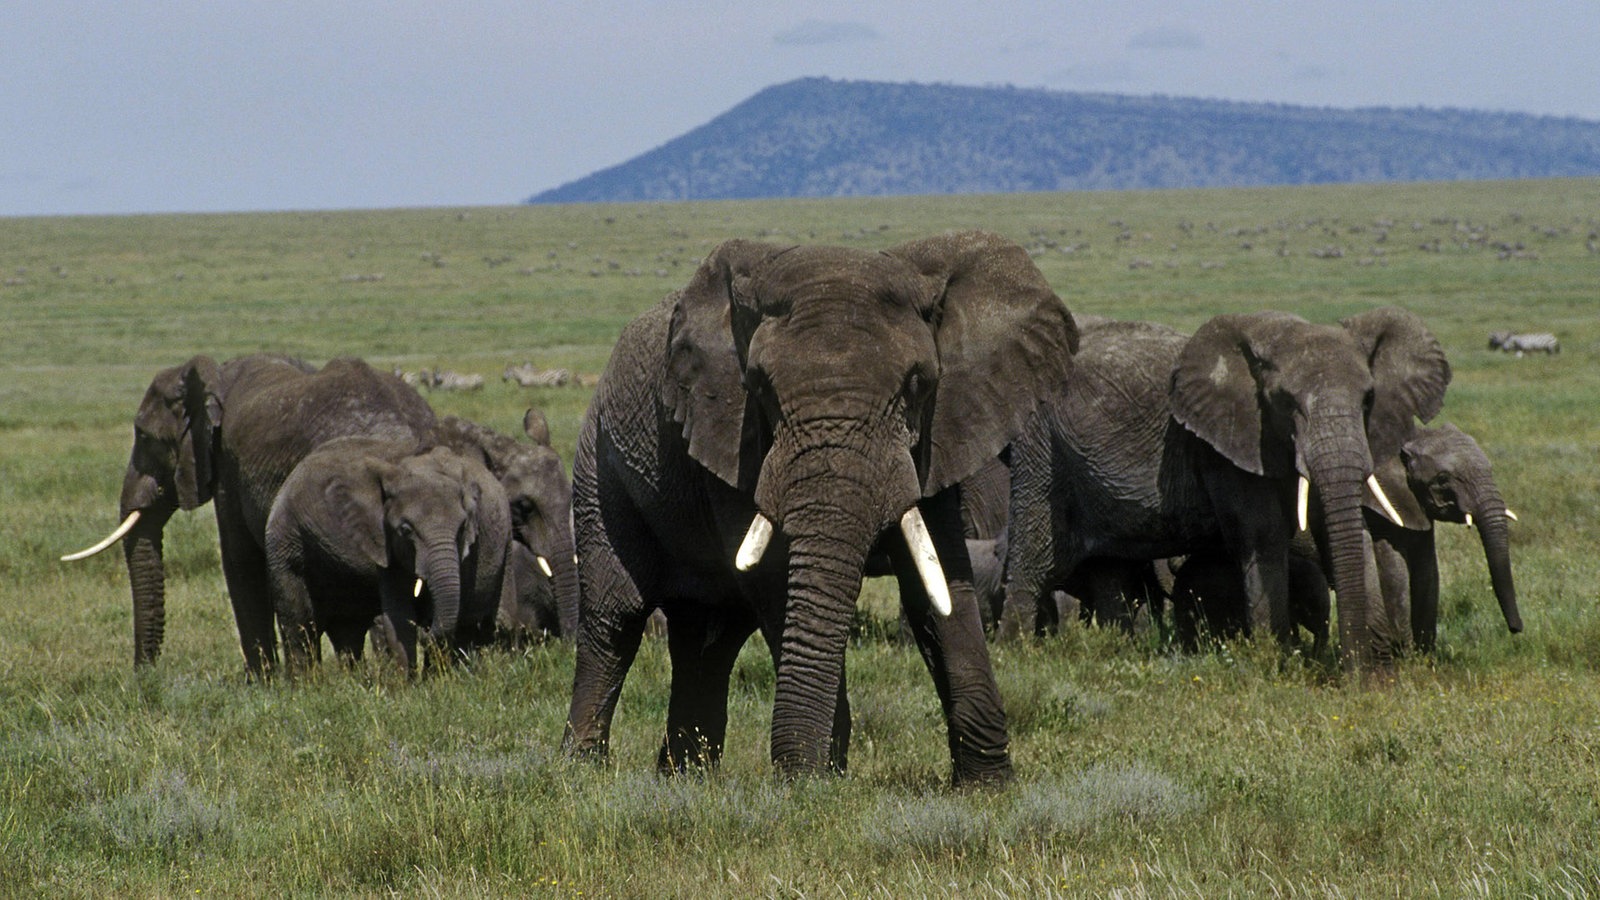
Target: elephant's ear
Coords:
[(536, 427), (199, 380), (354, 511), (1215, 389), (1005, 342), (1409, 374), (704, 385)]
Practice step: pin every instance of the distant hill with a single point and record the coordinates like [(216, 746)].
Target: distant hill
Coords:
[(821, 138)]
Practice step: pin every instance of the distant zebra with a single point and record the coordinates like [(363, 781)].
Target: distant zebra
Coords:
[(445, 380), (528, 376), (1509, 342)]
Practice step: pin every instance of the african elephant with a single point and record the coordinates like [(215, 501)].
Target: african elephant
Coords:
[(369, 529), (545, 598), (232, 432), (758, 434), (1164, 444), (1439, 475)]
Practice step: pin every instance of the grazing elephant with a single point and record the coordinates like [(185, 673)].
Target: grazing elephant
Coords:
[(1439, 475), (760, 433), (1164, 445), (373, 530), (545, 597), (232, 432)]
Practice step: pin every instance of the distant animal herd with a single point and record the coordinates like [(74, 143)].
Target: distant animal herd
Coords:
[(796, 418)]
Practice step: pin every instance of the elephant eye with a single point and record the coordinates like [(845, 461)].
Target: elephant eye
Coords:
[(405, 528)]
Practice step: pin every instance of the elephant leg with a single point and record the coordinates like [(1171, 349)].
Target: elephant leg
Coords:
[(955, 651), (615, 610), (244, 568), (1423, 560), (296, 620), (704, 643), (1035, 535), (1256, 529), (1394, 579), (348, 638)]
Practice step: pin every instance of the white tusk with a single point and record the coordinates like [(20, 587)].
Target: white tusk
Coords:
[(416, 590), (1469, 520), (1512, 515), (112, 538), (927, 560), (544, 566), (1383, 501), (755, 543), (1303, 503)]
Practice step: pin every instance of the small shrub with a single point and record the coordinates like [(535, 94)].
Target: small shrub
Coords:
[(931, 825), (1048, 810), (168, 816)]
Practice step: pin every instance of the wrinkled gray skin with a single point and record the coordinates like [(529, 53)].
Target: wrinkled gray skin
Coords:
[(359, 523), (1208, 599), (831, 389), (1164, 445), (540, 498), (231, 433), (1440, 475)]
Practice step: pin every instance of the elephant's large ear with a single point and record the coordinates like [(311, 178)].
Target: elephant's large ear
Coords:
[(353, 515), (199, 380), (1409, 374), (704, 386), (1005, 341), (1215, 389)]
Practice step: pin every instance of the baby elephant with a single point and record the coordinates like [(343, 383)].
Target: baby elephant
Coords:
[(377, 534)]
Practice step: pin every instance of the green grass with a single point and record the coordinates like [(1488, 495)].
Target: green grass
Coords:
[(1140, 772)]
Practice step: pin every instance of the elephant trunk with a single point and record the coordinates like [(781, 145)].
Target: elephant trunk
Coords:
[(441, 570), (147, 580), (825, 570), (1494, 530), (832, 502), (564, 578), (142, 550), (1340, 473)]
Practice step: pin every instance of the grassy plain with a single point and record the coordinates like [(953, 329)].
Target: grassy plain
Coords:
[(1141, 772)]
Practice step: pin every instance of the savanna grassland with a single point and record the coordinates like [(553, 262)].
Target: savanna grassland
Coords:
[(1141, 771)]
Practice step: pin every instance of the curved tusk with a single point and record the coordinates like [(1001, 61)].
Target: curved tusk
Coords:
[(1469, 520), (416, 590), (1512, 515), (1383, 501), (755, 543), (544, 566), (112, 538), (1303, 503), (927, 560)]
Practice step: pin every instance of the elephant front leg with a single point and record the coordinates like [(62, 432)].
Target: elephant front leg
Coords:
[(301, 641), (400, 612), (244, 568), (704, 644), (956, 653)]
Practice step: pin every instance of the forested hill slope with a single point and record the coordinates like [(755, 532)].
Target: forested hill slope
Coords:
[(821, 138)]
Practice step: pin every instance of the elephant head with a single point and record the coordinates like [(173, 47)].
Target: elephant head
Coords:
[(540, 499), (1282, 398), (1449, 475), (837, 388), (420, 520), (172, 467)]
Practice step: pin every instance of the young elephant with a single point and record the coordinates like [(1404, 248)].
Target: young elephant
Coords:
[(1440, 475), (368, 533)]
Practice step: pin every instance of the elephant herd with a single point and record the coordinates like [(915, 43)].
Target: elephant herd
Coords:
[(798, 417)]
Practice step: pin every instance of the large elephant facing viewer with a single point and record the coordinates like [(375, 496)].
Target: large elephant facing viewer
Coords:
[(230, 433), (1164, 445), (757, 435)]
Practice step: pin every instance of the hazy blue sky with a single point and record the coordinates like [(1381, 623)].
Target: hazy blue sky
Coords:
[(209, 105)]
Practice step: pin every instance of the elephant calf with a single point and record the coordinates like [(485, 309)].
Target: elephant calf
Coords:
[(377, 534)]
